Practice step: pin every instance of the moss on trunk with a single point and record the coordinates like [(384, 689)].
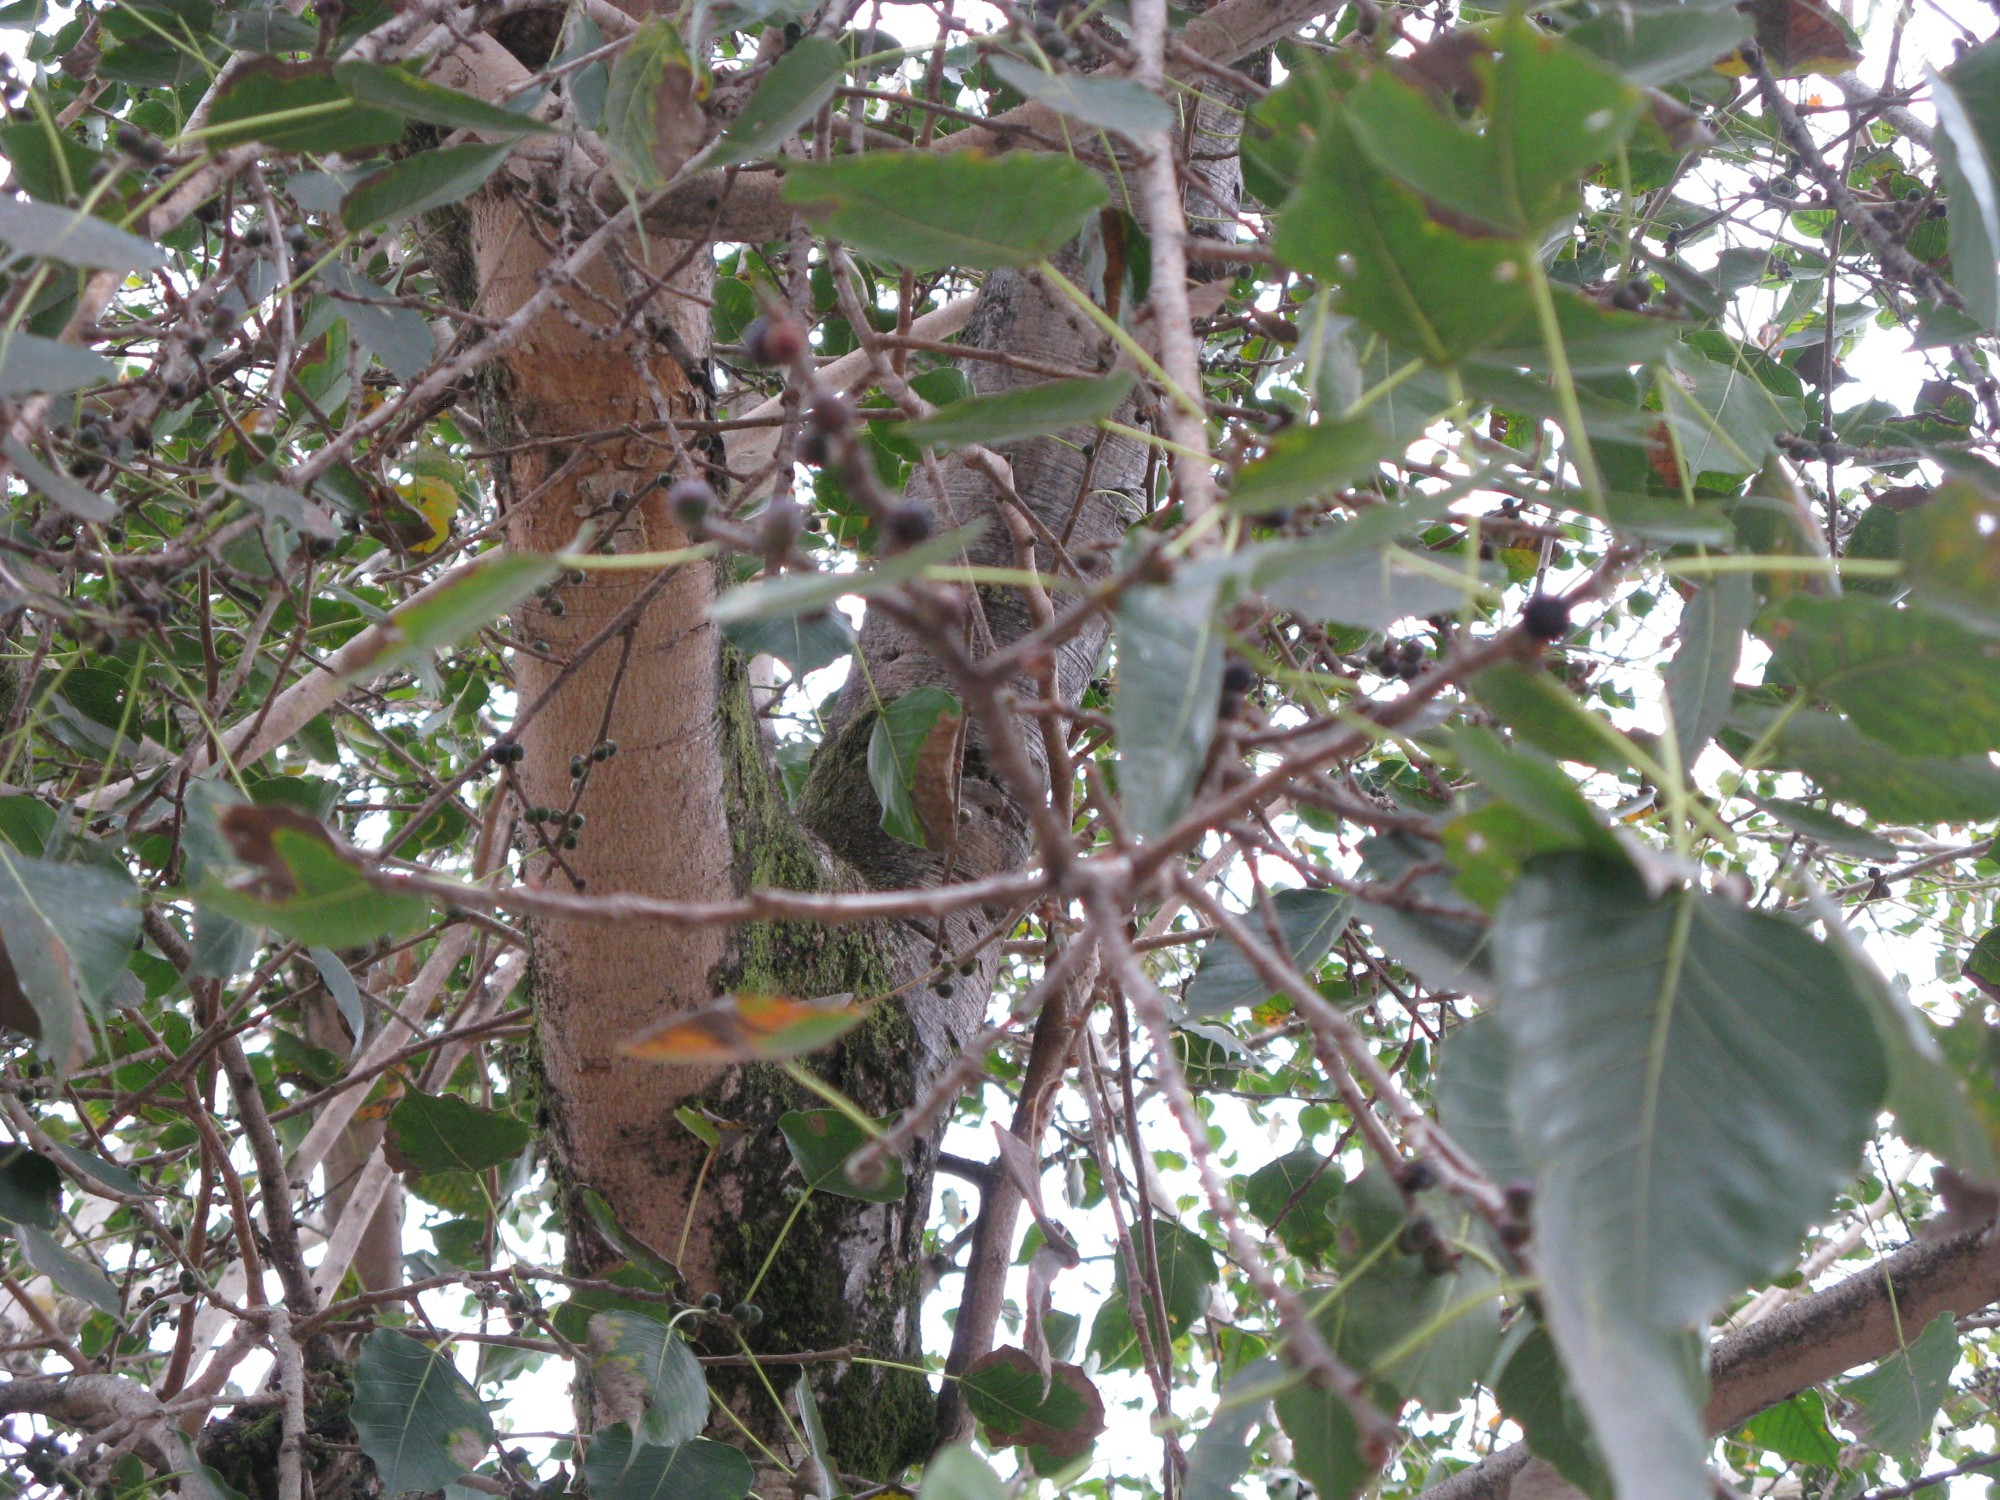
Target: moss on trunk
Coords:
[(847, 1272)]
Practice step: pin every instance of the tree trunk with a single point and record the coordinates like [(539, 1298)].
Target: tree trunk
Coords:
[(688, 807)]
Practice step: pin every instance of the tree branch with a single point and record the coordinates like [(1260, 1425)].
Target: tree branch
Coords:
[(1864, 1318)]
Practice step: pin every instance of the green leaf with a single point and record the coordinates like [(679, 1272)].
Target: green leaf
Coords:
[(1899, 1398), (821, 1141), (790, 595), (1553, 113), (1351, 574), (1221, 1453), (74, 238), (1307, 464), (1951, 554), (1795, 1430), (644, 1374), (1701, 679), (631, 125), (68, 930), (1413, 281), (69, 496), (1536, 787), (420, 1424), (416, 98), (1543, 711), (1692, 1081), (1004, 1391), (803, 643), (1121, 104), (1727, 422), (1187, 1275), (1169, 694), (1853, 767), (1024, 412), (30, 1188), (398, 336), (1968, 157), (1474, 1068), (31, 363), (47, 165), (1326, 1445), (1913, 680), (957, 1473), (1533, 1390), (498, 582), (106, 1173), (297, 107), (572, 1318), (1292, 1198), (1448, 952), (1926, 1095), (307, 889), (442, 1133), (1428, 1333), (797, 88), (929, 211), (702, 1469), (1656, 42), (419, 183), (826, 1481), (1823, 827), (1311, 921), (73, 1276), (913, 766)]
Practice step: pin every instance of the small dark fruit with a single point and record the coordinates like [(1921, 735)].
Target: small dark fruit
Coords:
[(690, 501), (906, 524), (1237, 677), (831, 413), (1417, 1176), (1546, 617), (749, 1314), (773, 341)]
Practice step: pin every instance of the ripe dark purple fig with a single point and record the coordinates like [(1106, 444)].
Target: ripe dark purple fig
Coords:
[(773, 341), (1546, 617)]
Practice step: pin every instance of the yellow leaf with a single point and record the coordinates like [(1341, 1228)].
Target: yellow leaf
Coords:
[(437, 502)]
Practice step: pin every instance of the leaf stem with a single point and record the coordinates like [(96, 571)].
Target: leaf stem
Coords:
[(1581, 455)]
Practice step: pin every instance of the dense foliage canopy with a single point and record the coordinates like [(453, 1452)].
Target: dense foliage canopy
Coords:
[(1342, 659)]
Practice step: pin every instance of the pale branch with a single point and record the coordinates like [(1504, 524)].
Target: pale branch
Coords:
[(1166, 225), (834, 909), (1860, 1320)]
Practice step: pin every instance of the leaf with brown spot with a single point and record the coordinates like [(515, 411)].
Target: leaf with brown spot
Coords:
[(1798, 37), (935, 781), (308, 883), (747, 1028), (913, 764), (1004, 1391)]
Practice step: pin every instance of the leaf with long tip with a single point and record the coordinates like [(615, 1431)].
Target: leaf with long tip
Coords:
[(746, 1028)]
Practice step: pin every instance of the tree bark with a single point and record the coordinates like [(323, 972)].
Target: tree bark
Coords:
[(688, 807)]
